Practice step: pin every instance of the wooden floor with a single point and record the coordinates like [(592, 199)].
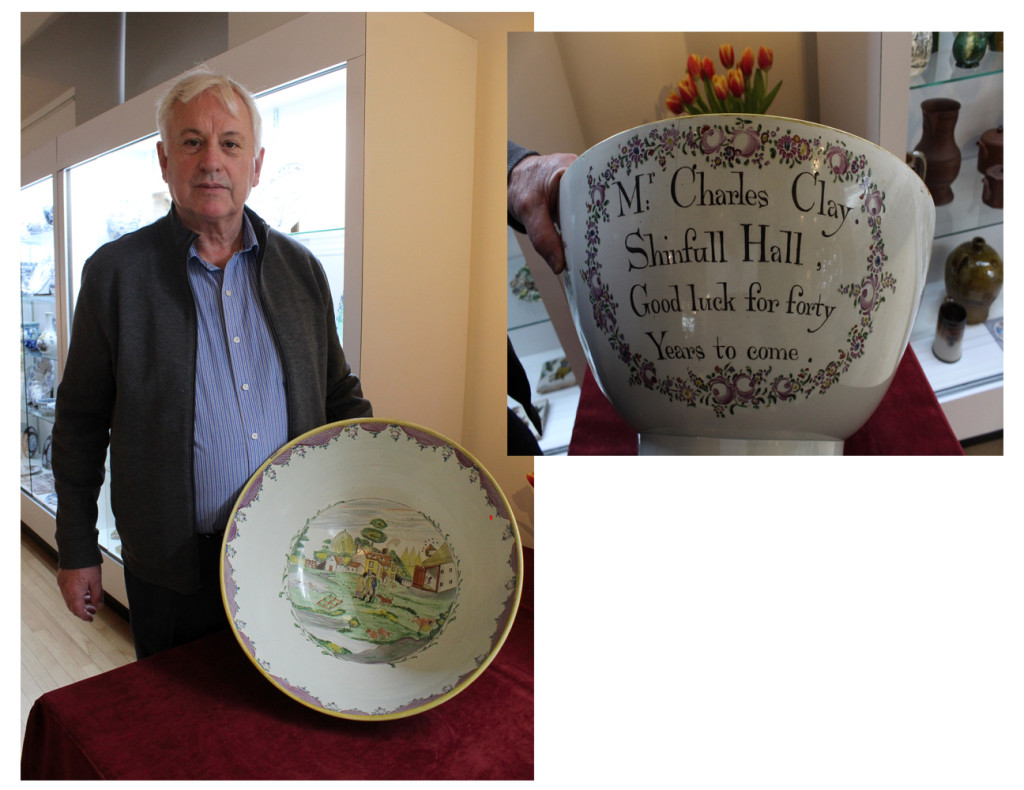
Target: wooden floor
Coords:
[(992, 447), (56, 647)]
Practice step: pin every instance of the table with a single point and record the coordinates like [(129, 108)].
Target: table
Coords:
[(203, 711), (908, 421)]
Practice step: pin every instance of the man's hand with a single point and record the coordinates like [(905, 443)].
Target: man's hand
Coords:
[(533, 200), (82, 591)]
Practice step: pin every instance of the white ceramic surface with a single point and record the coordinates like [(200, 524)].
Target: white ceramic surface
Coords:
[(40, 382), (371, 569), (743, 285)]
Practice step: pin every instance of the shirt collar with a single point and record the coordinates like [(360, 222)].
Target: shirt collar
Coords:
[(250, 244)]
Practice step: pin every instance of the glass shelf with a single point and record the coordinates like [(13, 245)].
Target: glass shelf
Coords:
[(328, 245), (942, 68)]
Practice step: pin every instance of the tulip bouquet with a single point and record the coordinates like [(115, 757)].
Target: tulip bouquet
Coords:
[(741, 89)]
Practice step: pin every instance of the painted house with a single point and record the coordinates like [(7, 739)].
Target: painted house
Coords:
[(383, 566), (338, 563), (437, 572)]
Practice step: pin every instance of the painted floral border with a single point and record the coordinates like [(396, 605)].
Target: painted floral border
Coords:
[(396, 432), (745, 143)]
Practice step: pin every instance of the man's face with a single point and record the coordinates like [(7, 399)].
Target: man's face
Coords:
[(210, 163)]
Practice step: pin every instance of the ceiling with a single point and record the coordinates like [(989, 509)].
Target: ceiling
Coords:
[(33, 22)]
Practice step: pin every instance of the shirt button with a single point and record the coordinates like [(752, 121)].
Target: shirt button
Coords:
[(236, 339), (255, 436), (227, 293), (245, 387)]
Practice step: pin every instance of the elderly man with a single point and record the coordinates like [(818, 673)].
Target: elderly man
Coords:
[(201, 344)]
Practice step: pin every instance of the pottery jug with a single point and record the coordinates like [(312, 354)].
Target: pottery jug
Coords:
[(992, 188), (990, 149), (939, 147), (974, 278)]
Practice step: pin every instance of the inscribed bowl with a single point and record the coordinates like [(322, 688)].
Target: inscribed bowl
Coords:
[(743, 285), (371, 569)]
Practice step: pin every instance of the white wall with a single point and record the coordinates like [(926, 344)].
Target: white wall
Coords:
[(417, 225)]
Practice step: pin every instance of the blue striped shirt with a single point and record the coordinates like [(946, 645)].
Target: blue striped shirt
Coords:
[(241, 413)]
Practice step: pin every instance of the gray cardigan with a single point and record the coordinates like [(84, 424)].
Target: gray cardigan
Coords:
[(129, 380)]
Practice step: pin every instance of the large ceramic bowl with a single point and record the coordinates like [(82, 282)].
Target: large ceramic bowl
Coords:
[(371, 569), (743, 285)]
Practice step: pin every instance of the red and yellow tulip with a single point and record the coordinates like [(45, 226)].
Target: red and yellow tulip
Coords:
[(674, 103), (688, 89), (747, 62), (734, 77), (677, 102), (726, 55), (742, 89), (720, 86), (693, 66)]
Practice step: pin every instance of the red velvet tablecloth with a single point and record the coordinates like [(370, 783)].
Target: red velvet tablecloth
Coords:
[(203, 711), (908, 421)]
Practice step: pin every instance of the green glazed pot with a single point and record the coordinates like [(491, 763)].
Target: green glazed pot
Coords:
[(969, 49)]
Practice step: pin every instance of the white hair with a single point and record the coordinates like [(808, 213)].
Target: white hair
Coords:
[(198, 81)]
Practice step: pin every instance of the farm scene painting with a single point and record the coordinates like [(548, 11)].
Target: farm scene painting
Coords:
[(371, 581)]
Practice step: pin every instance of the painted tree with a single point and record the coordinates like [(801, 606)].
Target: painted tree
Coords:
[(343, 544), (375, 533), (299, 544)]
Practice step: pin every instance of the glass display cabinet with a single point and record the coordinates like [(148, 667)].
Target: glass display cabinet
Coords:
[(970, 389), (301, 190), (39, 339), (869, 86)]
